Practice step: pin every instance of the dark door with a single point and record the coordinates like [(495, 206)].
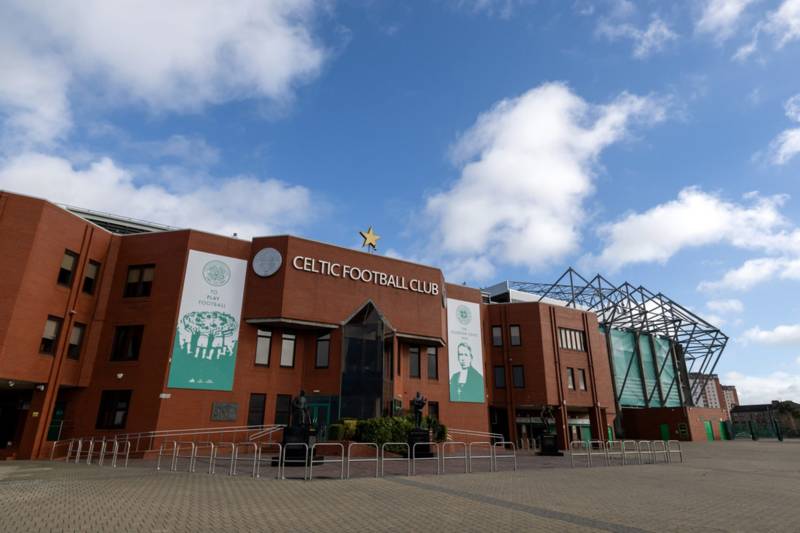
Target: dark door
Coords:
[(255, 412), (57, 421)]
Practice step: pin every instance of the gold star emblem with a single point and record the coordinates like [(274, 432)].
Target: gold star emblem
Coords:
[(370, 239)]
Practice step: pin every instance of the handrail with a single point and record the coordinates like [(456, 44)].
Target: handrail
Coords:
[(267, 432), (473, 433), (363, 459)]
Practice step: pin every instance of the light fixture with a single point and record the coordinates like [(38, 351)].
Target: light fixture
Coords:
[(120, 375), (11, 383), (40, 387)]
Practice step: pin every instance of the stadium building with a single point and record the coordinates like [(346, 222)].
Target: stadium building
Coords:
[(111, 325)]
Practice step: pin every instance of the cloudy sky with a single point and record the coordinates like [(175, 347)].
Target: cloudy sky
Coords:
[(654, 142)]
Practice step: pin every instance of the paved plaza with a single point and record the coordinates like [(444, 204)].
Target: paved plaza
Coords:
[(721, 486)]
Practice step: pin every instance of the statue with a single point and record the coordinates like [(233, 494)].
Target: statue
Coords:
[(418, 403), (300, 415)]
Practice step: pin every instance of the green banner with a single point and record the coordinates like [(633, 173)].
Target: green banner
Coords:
[(207, 332)]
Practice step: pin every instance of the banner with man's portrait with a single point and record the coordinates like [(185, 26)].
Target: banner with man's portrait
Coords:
[(465, 351)]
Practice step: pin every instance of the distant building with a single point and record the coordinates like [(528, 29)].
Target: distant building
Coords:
[(776, 419), (709, 396), (730, 396)]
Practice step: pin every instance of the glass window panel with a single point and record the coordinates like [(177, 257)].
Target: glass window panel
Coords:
[(68, 261), (570, 379), (581, 379), (497, 336), (148, 274), (263, 344), (518, 373), (499, 377), (323, 351), (515, 335), (134, 274), (413, 362), (433, 363), (50, 329), (287, 350)]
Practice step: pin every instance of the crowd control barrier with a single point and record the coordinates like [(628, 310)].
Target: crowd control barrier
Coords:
[(407, 458), (340, 460), (351, 459)]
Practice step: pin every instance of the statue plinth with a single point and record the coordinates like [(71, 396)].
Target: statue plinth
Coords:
[(419, 435)]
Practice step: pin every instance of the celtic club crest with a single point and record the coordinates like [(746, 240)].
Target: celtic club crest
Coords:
[(463, 314), (216, 273)]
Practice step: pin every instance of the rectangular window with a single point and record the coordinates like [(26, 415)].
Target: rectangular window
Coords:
[(570, 379), (255, 411), (581, 379), (518, 373), (323, 351), (67, 270), (433, 410), (500, 377), (113, 412), (263, 345), (514, 333), (76, 341), (287, 350), (127, 342), (433, 363), (497, 336), (571, 339), (52, 329), (283, 408), (139, 281), (90, 277), (413, 362)]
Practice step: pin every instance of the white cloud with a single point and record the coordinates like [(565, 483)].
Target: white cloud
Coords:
[(784, 335), (645, 42), (782, 25), (242, 204), (797, 360), (764, 389), (730, 305), (526, 167), (720, 17), (177, 57), (787, 144), (695, 218)]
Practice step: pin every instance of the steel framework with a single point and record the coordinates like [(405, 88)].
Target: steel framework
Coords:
[(627, 307)]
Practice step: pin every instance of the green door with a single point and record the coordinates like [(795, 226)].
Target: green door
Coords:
[(709, 430), (723, 431), (56, 421), (610, 433), (665, 433)]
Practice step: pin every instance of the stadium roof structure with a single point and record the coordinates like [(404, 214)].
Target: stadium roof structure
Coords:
[(630, 307)]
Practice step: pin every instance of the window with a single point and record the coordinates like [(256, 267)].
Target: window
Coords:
[(413, 362), (323, 351), (263, 344), (570, 379), (67, 270), (500, 377), (433, 410), (127, 341), (283, 409), (255, 410), (140, 281), (287, 350), (76, 341), (516, 339), (571, 339), (113, 412), (518, 374), (90, 277), (497, 336), (52, 329), (581, 379), (433, 363)]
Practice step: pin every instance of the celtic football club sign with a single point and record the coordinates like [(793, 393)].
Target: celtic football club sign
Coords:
[(207, 333)]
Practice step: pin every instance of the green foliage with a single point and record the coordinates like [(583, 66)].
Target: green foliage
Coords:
[(382, 430), (349, 428), (336, 432)]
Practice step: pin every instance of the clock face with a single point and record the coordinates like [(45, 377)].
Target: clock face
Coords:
[(266, 262)]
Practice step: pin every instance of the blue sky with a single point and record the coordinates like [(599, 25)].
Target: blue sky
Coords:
[(653, 142)]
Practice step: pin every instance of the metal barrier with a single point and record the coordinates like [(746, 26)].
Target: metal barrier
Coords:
[(90, 451), (282, 463), (216, 456), (176, 455), (236, 449), (127, 446), (674, 446), (598, 447), (614, 449), (503, 444), (340, 460), (71, 447), (414, 457), (473, 456), (579, 448), (659, 447), (174, 444), (407, 458), (445, 457), (78, 451), (212, 452), (261, 454), (645, 447), (350, 458), (630, 447), (103, 449)]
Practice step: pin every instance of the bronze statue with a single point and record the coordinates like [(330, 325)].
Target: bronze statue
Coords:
[(418, 403), (300, 415)]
